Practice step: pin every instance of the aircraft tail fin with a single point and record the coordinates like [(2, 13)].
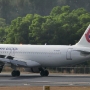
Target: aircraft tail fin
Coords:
[(85, 39)]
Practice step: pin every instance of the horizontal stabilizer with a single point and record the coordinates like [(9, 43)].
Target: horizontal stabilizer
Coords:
[(83, 52)]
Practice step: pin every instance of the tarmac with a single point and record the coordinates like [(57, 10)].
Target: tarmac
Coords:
[(54, 79)]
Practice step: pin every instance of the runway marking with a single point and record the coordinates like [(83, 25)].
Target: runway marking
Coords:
[(26, 84), (71, 84)]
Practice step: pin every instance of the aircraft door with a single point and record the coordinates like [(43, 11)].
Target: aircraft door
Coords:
[(68, 54)]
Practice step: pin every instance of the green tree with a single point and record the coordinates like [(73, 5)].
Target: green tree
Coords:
[(18, 31), (62, 26), (35, 30), (3, 26)]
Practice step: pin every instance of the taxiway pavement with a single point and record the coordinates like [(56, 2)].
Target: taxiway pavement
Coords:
[(52, 80)]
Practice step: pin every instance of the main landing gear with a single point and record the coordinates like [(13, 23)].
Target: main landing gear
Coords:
[(15, 73), (44, 72), (1, 67)]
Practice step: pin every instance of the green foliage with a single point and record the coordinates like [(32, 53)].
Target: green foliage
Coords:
[(35, 29), (55, 11), (18, 30), (62, 26), (11, 9), (3, 26), (2, 22)]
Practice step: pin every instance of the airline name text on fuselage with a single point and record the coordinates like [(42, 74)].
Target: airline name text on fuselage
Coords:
[(9, 48)]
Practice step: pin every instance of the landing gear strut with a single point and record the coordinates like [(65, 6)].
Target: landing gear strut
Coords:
[(15, 73), (44, 72), (1, 67)]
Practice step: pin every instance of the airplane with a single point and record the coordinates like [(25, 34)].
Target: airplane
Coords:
[(36, 58)]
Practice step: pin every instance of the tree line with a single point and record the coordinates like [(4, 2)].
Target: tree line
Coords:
[(62, 26), (11, 9)]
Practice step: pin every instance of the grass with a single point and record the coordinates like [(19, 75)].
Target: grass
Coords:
[(41, 88)]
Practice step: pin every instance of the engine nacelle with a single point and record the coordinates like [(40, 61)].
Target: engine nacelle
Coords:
[(34, 70)]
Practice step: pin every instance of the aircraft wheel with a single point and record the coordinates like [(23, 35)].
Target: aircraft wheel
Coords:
[(42, 73), (1, 67), (15, 73), (18, 73), (46, 73)]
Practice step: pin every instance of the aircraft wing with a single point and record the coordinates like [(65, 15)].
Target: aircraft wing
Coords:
[(14, 62), (20, 62)]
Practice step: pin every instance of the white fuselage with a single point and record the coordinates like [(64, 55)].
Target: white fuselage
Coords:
[(46, 55)]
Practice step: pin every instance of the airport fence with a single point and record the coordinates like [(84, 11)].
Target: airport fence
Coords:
[(73, 70)]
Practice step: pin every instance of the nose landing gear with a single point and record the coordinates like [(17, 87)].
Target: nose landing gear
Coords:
[(44, 72)]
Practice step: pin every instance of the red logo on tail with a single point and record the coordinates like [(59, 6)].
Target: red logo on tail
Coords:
[(87, 35)]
